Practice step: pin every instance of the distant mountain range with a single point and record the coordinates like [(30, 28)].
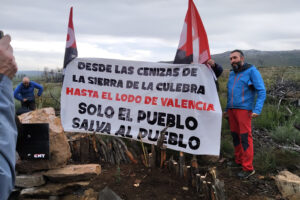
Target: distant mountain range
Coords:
[(263, 58), (30, 73), (256, 57)]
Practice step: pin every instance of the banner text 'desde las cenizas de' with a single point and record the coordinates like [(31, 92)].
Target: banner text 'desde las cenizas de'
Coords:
[(124, 98)]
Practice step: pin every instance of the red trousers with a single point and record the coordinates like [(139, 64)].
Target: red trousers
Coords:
[(240, 127)]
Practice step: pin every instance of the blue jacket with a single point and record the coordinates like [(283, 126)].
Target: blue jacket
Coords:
[(242, 88), (8, 138), (22, 92)]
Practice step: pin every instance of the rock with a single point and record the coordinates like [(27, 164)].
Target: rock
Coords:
[(59, 147), (52, 189), (89, 194), (53, 198), (27, 181), (108, 194), (288, 184), (72, 173)]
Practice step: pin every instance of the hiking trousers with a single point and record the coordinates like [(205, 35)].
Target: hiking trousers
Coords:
[(240, 127)]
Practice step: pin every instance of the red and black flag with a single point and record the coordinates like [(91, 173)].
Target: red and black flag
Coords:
[(71, 49), (193, 45)]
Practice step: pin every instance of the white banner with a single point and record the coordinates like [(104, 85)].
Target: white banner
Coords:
[(124, 98)]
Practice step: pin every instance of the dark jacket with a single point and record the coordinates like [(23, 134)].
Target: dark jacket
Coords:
[(217, 69)]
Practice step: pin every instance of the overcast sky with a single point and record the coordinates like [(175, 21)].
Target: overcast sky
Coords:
[(145, 30)]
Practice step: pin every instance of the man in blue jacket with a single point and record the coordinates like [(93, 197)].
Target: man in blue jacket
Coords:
[(244, 84), (8, 130), (25, 93)]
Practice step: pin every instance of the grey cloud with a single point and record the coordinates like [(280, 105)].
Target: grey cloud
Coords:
[(229, 24)]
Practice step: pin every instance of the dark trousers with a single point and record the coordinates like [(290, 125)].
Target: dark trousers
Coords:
[(30, 104)]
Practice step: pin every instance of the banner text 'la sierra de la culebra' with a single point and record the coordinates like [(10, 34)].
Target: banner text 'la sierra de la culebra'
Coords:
[(124, 98)]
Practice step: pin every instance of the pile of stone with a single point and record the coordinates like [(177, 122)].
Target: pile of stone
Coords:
[(56, 182), (53, 177)]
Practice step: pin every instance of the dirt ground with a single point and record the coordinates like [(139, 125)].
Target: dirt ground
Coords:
[(161, 184), (256, 187), (157, 183)]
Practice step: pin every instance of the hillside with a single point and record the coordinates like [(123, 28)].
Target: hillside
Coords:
[(263, 58), (30, 73), (256, 57)]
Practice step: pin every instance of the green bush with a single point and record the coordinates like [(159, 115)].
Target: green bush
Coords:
[(265, 160), (286, 134), (269, 118), (17, 104), (227, 148), (287, 159), (51, 96), (270, 160)]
